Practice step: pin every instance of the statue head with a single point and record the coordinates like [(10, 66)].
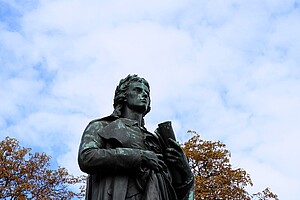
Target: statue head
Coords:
[(121, 93)]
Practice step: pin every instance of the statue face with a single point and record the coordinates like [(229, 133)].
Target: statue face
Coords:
[(138, 97)]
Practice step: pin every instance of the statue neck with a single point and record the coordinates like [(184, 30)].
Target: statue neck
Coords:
[(130, 114)]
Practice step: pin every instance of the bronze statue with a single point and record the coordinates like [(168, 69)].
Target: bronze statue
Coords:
[(125, 161)]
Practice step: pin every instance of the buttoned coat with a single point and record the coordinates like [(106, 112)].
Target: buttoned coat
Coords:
[(110, 153)]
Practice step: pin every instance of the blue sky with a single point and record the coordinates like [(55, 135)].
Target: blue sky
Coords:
[(228, 70)]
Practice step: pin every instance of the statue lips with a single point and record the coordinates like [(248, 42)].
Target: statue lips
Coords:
[(145, 101)]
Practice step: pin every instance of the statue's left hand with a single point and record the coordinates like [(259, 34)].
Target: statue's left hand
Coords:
[(175, 156)]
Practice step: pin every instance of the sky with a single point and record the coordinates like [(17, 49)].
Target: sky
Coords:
[(227, 69)]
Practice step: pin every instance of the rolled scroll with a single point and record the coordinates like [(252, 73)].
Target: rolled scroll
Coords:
[(164, 132)]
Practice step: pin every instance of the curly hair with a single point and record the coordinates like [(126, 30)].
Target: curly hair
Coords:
[(121, 93)]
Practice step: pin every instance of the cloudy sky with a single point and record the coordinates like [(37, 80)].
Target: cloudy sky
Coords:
[(227, 69)]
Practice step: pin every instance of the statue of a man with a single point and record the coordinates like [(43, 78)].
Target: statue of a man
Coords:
[(124, 160)]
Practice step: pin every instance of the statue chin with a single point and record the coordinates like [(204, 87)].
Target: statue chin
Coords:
[(139, 108)]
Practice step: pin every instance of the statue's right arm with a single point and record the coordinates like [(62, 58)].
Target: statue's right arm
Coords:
[(93, 157)]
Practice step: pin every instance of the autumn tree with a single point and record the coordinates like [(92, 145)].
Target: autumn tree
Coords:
[(215, 178), (26, 175)]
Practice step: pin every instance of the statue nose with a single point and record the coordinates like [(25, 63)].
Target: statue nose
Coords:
[(144, 94)]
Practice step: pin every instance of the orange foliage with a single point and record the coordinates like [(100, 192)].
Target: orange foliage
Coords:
[(24, 175), (214, 176)]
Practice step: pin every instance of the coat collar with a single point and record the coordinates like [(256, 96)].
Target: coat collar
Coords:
[(126, 121)]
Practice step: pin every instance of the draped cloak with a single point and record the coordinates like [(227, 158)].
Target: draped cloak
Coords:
[(110, 153)]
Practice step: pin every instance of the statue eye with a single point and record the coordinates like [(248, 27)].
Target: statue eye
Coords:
[(139, 90)]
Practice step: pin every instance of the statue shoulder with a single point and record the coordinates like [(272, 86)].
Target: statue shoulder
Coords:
[(98, 124)]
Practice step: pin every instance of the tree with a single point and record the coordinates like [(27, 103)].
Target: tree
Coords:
[(24, 175), (214, 176)]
